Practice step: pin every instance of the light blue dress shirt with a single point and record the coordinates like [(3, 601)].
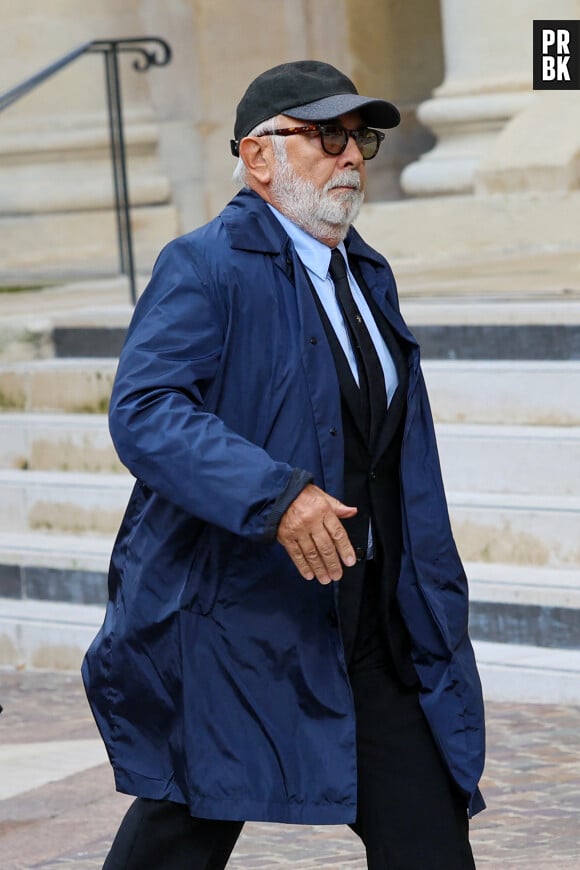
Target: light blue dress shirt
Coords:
[(315, 257)]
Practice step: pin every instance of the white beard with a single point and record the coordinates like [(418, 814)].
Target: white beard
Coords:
[(321, 213)]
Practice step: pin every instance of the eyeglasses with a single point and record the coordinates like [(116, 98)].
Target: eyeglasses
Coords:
[(334, 138)]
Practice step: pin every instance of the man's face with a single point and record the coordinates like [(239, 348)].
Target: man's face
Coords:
[(320, 192), (312, 163)]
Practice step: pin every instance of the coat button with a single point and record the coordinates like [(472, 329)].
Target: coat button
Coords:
[(373, 475), (313, 339), (333, 431), (360, 554), (332, 619)]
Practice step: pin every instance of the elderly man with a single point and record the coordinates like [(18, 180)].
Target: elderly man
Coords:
[(286, 635)]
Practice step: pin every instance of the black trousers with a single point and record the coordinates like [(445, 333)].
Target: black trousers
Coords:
[(410, 814)]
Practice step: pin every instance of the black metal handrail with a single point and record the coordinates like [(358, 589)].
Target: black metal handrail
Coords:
[(151, 51)]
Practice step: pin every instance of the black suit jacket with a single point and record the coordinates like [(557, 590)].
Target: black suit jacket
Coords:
[(371, 482)]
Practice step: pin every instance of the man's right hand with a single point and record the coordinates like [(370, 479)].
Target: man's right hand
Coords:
[(313, 536)]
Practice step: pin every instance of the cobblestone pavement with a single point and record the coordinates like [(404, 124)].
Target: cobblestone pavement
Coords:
[(531, 784)]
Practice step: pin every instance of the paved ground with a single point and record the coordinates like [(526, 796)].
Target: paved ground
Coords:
[(58, 808)]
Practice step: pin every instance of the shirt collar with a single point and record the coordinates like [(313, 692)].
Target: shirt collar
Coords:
[(314, 254)]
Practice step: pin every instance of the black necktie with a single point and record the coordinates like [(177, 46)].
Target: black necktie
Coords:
[(370, 371)]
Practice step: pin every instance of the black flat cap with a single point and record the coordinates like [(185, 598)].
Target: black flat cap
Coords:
[(308, 90)]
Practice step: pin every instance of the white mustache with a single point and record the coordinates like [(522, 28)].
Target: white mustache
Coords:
[(348, 178)]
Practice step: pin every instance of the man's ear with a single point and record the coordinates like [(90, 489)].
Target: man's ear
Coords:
[(258, 158)]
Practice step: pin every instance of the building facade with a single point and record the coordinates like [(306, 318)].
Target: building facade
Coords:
[(481, 162)]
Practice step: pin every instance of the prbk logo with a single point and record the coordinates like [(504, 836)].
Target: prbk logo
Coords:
[(556, 55)]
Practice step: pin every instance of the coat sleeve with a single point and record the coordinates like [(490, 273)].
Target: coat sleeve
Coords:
[(159, 424)]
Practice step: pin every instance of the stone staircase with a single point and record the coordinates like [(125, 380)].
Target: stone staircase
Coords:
[(504, 378), (62, 494), (514, 495), (509, 437)]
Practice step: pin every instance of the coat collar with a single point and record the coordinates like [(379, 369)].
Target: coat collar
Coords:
[(251, 226)]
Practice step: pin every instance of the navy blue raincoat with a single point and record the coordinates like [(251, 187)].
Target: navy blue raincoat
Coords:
[(218, 677)]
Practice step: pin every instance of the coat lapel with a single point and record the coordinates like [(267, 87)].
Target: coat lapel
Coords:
[(321, 374), (398, 402)]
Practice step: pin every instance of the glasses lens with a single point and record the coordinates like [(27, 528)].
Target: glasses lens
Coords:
[(368, 142), (333, 138)]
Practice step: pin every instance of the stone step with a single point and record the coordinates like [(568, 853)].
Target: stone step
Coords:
[(55, 567), (37, 551), (538, 341), (509, 603), (525, 604), (529, 674), (97, 341), (56, 635), (46, 634), (434, 307), (517, 529), (76, 385), (523, 584), (28, 557), (544, 460), (520, 615), (62, 501), (30, 318), (516, 392), (80, 243), (57, 442), (494, 341), (489, 527), (481, 458)]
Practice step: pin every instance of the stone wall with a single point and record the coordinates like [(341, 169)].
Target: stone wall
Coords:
[(461, 74)]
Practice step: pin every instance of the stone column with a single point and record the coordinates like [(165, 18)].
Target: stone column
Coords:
[(391, 56), (488, 81), (232, 43)]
